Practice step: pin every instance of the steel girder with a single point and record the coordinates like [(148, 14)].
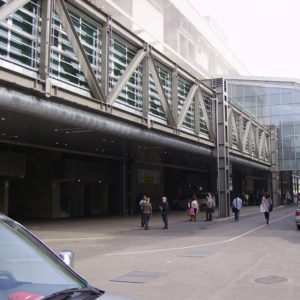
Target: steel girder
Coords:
[(146, 56), (10, 7), (253, 135)]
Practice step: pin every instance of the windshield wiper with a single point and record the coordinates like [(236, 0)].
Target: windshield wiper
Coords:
[(88, 293)]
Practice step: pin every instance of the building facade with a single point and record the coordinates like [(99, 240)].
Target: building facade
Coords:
[(176, 28), (93, 115), (274, 101)]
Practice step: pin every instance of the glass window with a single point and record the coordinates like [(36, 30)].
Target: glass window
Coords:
[(275, 110), (289, 164), (237, 91), (297, 142), (165, 77), (287, 120), (297, 128), (286, 96), (30, 265), (296, 108), (287, 142), (19, 36), (156, 107), (264, 120), (64, 63), (288, 153), (121, 55), (287, 108), (276, 120), (249, 101), (262, 96), (274, 99), (296, 96), (182, 92), (288, 131), (249, 91), (263, 111)]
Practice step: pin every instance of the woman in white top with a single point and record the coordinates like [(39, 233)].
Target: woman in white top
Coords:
[(266, 203)]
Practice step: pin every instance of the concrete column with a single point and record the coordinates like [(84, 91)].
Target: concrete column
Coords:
[(4, 195), (223, 150), (275, 184), (106, 37)]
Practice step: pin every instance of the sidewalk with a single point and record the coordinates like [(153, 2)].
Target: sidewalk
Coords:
[(109, 225)]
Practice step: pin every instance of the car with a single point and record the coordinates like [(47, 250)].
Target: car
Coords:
[(297, 217), (30, 270)]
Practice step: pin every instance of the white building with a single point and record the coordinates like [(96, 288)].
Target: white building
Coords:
[(176, 28)]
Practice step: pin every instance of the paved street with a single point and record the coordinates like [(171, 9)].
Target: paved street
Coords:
[(222, 259)]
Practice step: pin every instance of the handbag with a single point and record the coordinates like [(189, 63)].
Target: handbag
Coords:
[(270, 206), (234, 209)]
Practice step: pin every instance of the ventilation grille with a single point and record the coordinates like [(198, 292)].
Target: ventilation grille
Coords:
[(216, 82)]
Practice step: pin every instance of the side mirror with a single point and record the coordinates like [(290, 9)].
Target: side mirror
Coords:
[(67, 257)]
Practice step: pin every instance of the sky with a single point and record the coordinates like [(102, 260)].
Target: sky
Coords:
[(263, 34)]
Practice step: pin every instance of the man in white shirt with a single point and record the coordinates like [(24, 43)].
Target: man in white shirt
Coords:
[(236, 207)]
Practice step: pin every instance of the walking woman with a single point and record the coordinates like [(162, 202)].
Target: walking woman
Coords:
[(266, 206), (147, 210)]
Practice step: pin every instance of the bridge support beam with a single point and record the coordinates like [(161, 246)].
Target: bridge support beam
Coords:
[(222, 150), (275, 186)]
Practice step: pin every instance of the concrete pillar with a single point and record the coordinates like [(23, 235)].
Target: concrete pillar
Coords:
[(222, 148), (275, 182), (4, 195)]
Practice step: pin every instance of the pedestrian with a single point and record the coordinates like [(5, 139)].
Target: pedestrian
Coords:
[(246, 198), (237, 204), (191, 212), (141, 206), (195, 206), (164, 211), (147, 210), (266, 206), (288, 197), (209, 207)]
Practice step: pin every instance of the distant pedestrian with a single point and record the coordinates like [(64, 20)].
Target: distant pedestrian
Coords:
[(246, 199), (191, 212), (209, 207), (288, 197), (195, 206), (266, 206), (237, 204), (164, 211), (141, 206), (147, 210)]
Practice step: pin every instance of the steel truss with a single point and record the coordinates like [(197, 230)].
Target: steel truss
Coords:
[(246, 137)]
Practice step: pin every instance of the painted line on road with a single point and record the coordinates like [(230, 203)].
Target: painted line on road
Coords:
[(79, 239), (198, 245)]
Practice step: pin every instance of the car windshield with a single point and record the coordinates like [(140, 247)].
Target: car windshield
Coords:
[(28, 269)]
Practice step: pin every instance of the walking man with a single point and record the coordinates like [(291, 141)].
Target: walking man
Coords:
[(236, 207), (141, 206), (164, 211)]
